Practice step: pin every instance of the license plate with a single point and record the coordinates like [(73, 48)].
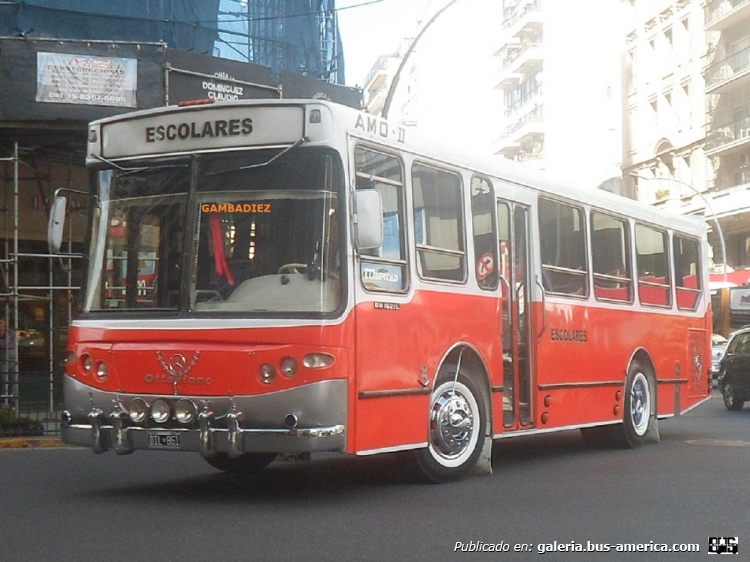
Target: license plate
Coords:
[(164, 441)]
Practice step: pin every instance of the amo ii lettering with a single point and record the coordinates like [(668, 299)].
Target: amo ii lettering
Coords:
[(563, 334), (210, 129), (379, 127)]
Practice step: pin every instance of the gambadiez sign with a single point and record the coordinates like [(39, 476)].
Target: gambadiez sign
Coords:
[(86, 80)]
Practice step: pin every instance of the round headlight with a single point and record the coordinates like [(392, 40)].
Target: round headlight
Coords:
[(160, 411), (289, 367), (87, 362), (102, 371), (267, 373), (138, 410), (185, 411)]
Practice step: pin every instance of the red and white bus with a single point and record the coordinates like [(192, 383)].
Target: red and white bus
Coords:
[(324, 281)]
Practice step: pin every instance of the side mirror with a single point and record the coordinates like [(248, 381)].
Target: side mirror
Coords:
[(56, 224), (369, 219)]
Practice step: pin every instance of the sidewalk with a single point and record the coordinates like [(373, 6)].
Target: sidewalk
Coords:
[(30, 442)]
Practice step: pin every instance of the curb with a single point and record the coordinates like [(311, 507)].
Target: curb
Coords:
[(31, 443)]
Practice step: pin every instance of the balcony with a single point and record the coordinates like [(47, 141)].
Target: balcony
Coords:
[(524, 130), (723, 14), (734, 69), (375, 101), (520, 61), (505, 80), (378, 74), (528, 15), (728, 138)]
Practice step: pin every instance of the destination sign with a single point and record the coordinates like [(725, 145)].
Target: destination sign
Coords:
[(197, 130)]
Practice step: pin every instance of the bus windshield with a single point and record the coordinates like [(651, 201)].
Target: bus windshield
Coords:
[(262, 235)]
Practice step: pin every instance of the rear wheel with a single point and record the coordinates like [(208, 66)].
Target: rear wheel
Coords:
[(637, 418), (731, 400), (638, 405), (457, 421), (249, 463)]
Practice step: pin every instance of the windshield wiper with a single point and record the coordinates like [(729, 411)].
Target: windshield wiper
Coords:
[(269, 161), (127, 171)]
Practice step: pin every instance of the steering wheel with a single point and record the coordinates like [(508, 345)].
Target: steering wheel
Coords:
[(293, 268)]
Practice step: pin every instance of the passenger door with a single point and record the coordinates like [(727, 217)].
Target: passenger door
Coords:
[(518, 343)]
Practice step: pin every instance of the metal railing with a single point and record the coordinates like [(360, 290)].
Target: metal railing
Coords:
[(530, 6), (729, 133), (729, 67), (532, 116), (717, 9)]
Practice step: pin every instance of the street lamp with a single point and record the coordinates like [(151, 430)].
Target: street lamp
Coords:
[(710, 209), (397, 76)]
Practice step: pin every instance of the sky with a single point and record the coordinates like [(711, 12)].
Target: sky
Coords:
[(452, 60), (371, 28)]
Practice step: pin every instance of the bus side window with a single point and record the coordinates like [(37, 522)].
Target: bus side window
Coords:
[(384, 268), (563, 248), (485, 237), (654, 284), (687, 270), (610, 251), (438, 224)]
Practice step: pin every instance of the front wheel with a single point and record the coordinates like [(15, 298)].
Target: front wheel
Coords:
[(457, 421), (731, 400), (249, 463)]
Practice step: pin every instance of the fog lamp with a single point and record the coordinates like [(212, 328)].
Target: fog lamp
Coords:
[(185, 411), (138, 410), (160, 411)]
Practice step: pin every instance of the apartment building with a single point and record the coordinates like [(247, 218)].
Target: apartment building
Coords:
[(687, 121), (445, 81), (560, 84), (727, 90)]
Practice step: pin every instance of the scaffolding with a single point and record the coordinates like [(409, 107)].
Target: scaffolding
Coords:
[(298, 36), (30, 382)]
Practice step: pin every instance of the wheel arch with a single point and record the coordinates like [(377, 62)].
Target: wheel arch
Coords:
[(475, 366), (643, 358)]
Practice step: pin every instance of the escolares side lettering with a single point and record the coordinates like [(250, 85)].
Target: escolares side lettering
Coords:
[(208, 129), (564, 335)]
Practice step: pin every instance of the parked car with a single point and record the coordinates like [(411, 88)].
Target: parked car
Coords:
[(734, 370), (718, 347)]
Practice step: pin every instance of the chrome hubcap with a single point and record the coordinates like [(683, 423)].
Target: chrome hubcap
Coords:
[(639, 404), (451, 424)]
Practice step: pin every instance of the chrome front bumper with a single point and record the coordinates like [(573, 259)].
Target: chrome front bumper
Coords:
[(315, 417)]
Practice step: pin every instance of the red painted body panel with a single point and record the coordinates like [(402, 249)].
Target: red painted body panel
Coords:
[(382, 350), (394, 346), (612, 336)]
